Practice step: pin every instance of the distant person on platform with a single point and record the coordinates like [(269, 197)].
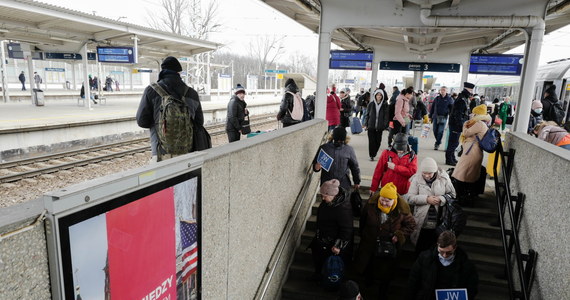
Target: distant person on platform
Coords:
[(292, 109), (376, 122), (333, 108), (37, 80), (345, 108), (459, 115), (443, 267), (82, 94), (237, 112), (150, 106), (548, 105), (22, 79), (438, 113), (310, 104)]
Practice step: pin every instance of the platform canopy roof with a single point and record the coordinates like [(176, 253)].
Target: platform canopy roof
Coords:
[(395, 27), (51, 28)]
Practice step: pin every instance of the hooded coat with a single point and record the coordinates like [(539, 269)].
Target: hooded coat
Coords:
[(459, 112), (406, 166), (344, 161), (423, 278), (376, 121), (286, 106), (399, 223), (548, 103), (420, 190), (149, 107), (468, 168), (333, 109)]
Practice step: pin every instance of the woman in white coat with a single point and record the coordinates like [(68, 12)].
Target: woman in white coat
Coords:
[(427, 189)]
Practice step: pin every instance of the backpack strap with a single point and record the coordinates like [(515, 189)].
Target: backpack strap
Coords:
[(158, 89)]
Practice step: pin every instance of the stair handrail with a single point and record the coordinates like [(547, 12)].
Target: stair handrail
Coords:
[(286, 234), (525, 273)]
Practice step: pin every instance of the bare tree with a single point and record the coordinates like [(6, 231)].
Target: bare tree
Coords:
[(301, 63), (170, 17), (266, 49)]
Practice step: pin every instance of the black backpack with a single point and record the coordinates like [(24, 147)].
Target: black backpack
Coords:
[(451, 217), (557, 113)]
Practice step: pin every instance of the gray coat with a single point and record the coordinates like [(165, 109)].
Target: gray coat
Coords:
[(420, 190), (344, 161)]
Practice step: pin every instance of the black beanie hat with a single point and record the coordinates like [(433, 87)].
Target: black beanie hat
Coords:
[(401, 142), (339, 134), (348, 290), (551, 90), (171, 63)]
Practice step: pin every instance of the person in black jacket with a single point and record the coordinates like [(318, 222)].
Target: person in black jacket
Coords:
[(22, 79), (443, 267), (376, 122), (334, 225), (458, 116), (391, 109), (149, 107), (346, 108), (236, 114), (286, 107), (550, 99), (439, 110)]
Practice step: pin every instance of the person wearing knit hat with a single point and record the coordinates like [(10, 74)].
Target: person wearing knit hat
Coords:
[(334, 232), (429, 189), (343, 159), (386, 223), (457, 118), (292, 109), (535, 116), (170, 83), (376, 121), (236, 113)]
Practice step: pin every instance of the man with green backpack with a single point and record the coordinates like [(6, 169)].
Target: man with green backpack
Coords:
[(172, 111)]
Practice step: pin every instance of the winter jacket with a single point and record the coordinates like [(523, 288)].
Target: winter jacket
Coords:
[(441, 106), (548, 113), (334, 221), (419, 192), (333, 109), (399, 223), (395, 95), (371, 119), (534, 120), (235, 114), (402, 110), (404, 169), (149, 107), (346, 106), (459, 112), (344, 160), (552, 134), (420, 111), (423, 278), (286, 106), (22, 78), (468, 168)]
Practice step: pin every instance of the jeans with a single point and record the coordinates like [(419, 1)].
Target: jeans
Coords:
[(452, 144), (438, 128)]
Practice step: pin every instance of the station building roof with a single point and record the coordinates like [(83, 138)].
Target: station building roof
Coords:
[(53, 28), (395, 28)]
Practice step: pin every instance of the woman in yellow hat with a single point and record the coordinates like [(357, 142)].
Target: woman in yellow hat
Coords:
[(385, 224)]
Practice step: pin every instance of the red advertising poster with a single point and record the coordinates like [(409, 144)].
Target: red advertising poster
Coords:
[(142, 248)]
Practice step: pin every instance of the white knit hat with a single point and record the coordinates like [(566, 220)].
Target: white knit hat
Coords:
[(428, 165)]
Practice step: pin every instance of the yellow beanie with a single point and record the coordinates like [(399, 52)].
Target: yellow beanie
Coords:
[(480, 109), (389, 191)]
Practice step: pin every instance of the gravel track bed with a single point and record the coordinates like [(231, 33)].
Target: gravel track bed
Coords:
[(33, 188)]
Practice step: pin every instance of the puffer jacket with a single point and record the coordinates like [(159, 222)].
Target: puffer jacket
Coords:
[(334, 221), (236, 114), (552, 134), (287, 105), (149, 107), (420, 190), (406, 166), (344, 161)]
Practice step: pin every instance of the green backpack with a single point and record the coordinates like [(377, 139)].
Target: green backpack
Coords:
[(175, 128)]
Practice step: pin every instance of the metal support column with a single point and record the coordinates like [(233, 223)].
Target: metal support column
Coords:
[(418, 80), (73, 81), (322, 73), (208, 74), (375, 68), (464, 71), (5, 93), (528, 78)]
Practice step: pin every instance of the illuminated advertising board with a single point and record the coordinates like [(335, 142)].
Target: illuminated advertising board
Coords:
[(143, 245)]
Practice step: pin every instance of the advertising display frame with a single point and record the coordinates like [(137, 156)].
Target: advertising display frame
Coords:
[(102, 199), (351, 60)]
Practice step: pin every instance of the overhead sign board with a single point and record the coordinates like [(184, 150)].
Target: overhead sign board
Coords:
[(351, 60), (142, 71), (419, 66), (276, 71), (116, 55), (15, 51), (54, 69), (496, 64), (68, 56)]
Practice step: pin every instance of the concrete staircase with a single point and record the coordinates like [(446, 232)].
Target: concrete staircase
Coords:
[(481, 241)]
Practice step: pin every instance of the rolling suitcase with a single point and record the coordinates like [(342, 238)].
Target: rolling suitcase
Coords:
[(356, 126), (413, 141)]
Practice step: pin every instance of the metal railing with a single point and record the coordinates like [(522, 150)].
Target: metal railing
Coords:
[(510, 237)]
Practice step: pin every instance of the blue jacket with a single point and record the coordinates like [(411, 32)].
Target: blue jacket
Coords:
[(441, 106)]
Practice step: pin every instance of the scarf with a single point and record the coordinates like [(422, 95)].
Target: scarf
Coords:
[(388, 209)]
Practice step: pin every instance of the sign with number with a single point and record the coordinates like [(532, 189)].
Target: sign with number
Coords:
[(325, 160), (419, 66), (451, 294)]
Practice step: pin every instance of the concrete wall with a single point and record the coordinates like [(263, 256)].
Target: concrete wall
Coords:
[(249, 188), (541, 172)]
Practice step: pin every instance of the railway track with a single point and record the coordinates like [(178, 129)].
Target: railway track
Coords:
[(36, 166)]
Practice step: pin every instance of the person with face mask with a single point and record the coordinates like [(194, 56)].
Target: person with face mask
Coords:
[(396, 164), (535, 115), (444, 266), (428, 190), (344, 159)]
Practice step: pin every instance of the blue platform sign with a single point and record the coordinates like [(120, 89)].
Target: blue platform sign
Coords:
[(116, 55), (351, 60), (419, 66), (325, 160), (276, 71), (451, 294), (350, 65), (67, 56), (496, 64)]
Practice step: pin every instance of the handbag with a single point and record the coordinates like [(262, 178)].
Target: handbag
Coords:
[(201, 139), (245, 126), (385, 248)]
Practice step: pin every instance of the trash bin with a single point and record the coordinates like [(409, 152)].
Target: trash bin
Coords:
[(38, 97)]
